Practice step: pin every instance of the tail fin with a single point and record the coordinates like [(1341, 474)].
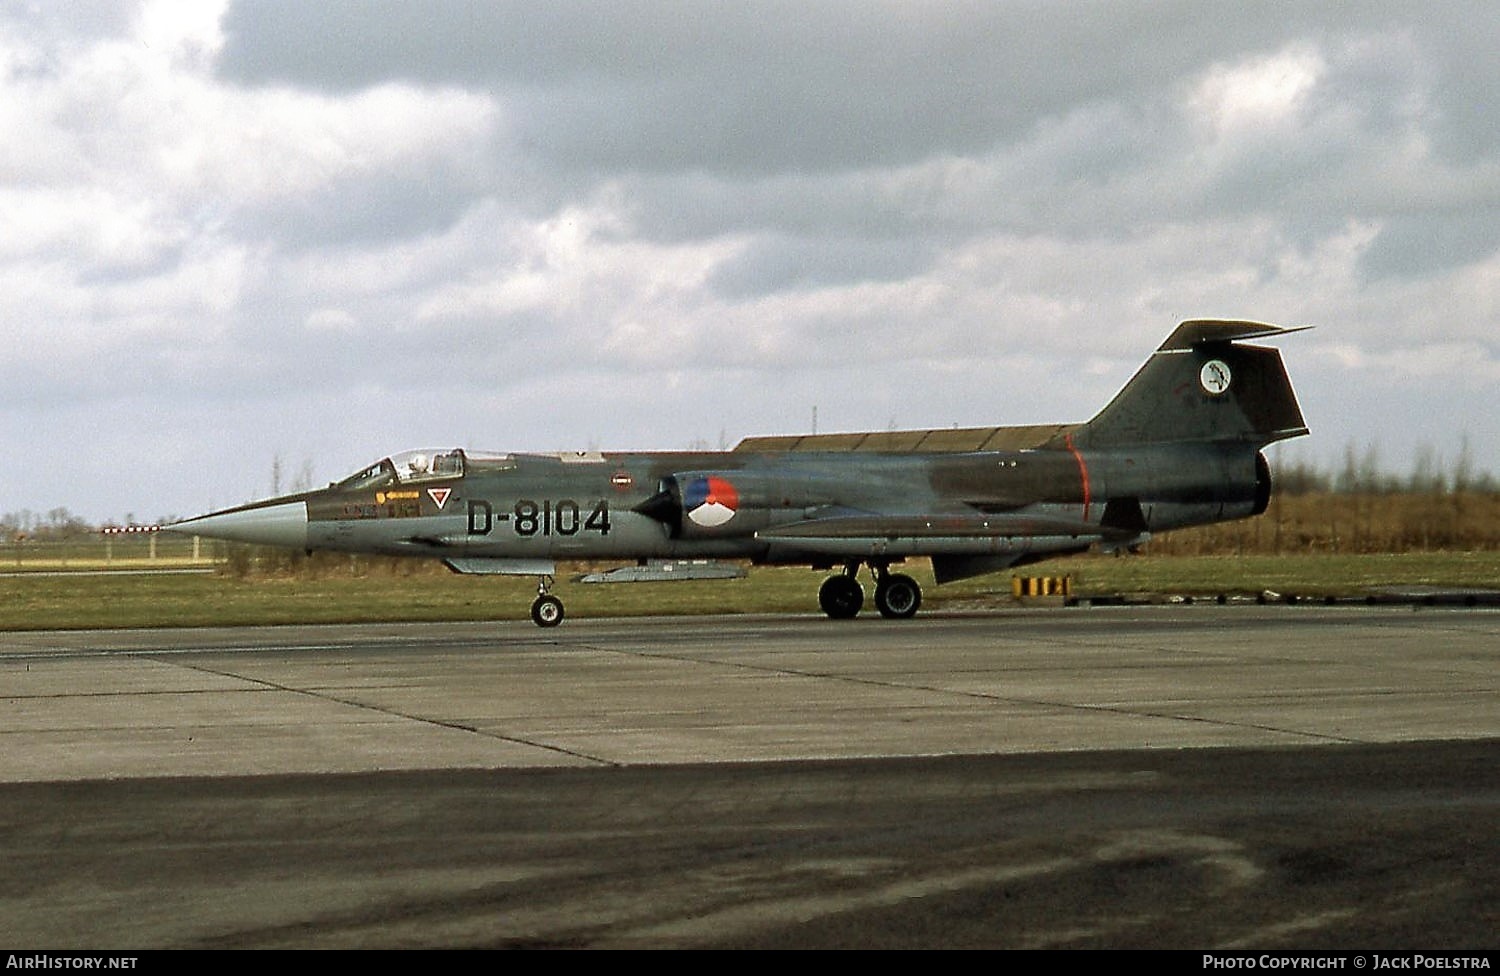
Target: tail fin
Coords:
[(1201, 386)]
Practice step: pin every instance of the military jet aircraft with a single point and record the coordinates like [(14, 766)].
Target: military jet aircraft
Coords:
[(1180, 445)]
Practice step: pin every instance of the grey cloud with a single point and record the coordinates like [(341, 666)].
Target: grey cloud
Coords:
[(796, 119), (1416, 245), (775, 264), (743, 88), (367, 209)]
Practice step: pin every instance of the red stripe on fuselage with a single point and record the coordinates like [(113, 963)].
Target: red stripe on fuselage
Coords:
[(1083, 473)]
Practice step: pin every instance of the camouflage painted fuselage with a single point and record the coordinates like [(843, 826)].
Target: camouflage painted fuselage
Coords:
[(1180, 445)]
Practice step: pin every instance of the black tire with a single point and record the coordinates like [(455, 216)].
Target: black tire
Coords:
[(898, 597), (840, 597), (547, 611)]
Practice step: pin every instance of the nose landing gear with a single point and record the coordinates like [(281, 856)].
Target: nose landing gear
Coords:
[(546, 609)]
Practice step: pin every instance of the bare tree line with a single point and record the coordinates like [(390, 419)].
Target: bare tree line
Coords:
[(1361, 472)]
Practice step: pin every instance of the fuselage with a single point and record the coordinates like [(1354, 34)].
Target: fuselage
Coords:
[(599, 506), (1179, 445)]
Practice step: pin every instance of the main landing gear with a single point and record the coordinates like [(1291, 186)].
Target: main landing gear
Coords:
[(897, 596), (546, 609)]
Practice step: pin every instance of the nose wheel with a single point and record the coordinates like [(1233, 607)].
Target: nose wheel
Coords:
[(546, 609)]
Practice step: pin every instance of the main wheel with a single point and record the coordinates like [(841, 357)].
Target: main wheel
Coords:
[(547, 611), (840, 597), (898, 597)]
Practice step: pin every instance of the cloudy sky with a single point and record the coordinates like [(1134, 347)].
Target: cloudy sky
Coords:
[(233, 233)]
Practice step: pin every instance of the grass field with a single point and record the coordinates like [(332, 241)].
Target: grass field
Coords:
[(32, 601)]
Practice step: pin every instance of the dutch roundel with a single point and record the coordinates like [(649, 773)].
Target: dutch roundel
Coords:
[(710, 501)]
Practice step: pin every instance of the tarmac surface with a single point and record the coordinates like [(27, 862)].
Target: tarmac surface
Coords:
[(1231, 777)]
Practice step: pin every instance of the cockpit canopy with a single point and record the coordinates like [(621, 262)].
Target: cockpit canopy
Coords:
[(421, 465)]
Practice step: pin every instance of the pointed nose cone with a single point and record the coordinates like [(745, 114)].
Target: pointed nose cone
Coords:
[(275, 524)]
